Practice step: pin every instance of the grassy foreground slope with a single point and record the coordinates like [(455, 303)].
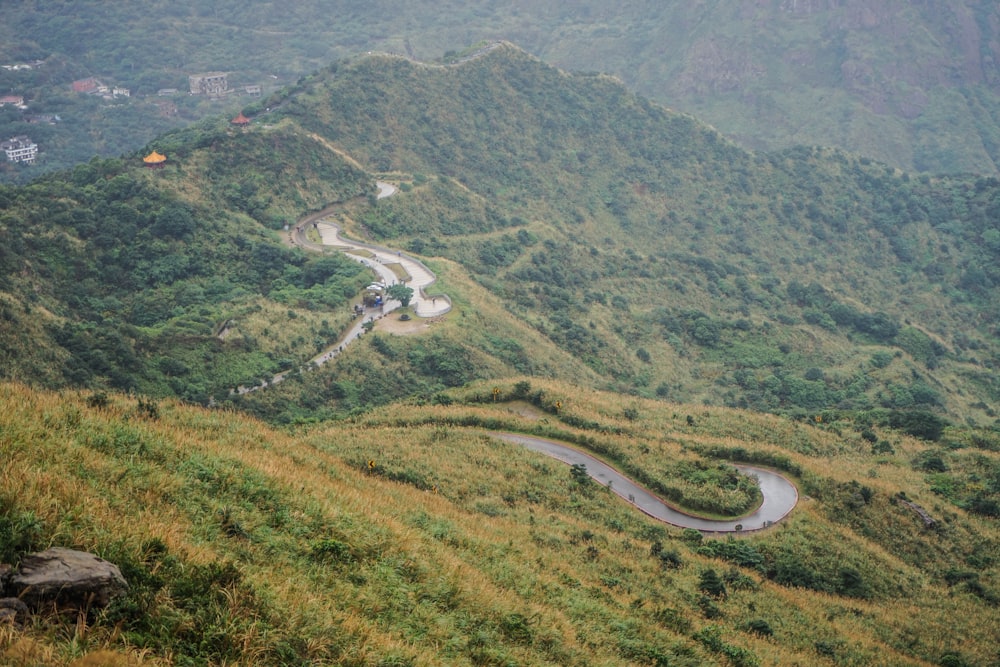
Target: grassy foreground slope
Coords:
[(246, 545)]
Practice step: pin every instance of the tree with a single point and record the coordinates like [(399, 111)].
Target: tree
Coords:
[(918, 423), (710, 584), (400, 292)]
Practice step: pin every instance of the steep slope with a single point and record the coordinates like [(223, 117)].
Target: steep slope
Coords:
[(664, 256), (242, 544), (584, 232), (122, 276), (911, 84)]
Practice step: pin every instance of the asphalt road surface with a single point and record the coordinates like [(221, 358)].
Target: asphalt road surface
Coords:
[(780, 495)]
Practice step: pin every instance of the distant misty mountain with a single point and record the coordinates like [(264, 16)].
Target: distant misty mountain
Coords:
[(911, 84)]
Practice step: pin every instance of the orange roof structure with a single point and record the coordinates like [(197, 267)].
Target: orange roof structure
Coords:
[(154, 159), (240, 120)]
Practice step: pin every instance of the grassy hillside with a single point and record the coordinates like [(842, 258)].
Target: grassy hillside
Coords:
[(121, 276), (583, 233), (913, 85), (669, 260), (623, 279), (247, 545)]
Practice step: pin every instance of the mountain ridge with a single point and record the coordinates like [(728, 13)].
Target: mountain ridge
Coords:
[(634, 239), (623, 280), (909, 85)]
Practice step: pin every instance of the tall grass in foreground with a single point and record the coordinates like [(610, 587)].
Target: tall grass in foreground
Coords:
[(246, 545)]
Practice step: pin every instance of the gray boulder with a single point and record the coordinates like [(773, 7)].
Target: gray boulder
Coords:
[(67, 577), (13, 611)]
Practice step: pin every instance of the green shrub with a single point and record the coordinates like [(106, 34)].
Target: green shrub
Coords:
[(332, 551), (692, 536), (918, 423), (670, 559), (881, 359), (709, 609), (578, 471), (20, 533), (710, 584), (931, 461), (98, 400), (882, 447), (740, 552)]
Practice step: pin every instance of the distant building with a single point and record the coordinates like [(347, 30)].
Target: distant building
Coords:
[(240, 121), (166, 92), (13, 100), (89, 85), (49, 118), (118, 91), (252, 90), (20, 149), (213, 84), (166, 108), (154, 160), (20, 66)]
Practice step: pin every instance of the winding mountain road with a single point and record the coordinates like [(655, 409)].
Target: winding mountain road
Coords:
[(383, 261), (779, 495)]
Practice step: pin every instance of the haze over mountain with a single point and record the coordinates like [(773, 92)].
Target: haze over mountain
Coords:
[(911, 84), (634, 240), (623, 279)]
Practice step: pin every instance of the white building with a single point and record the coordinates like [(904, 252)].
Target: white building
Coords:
[(20, 149), (213, 84)]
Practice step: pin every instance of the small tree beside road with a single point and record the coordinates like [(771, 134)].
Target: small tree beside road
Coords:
[(400, 292)]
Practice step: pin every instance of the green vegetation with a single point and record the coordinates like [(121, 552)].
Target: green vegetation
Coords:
[(119, 277), (602, 255), (913, 85), (603, 239), (618, 269), (401, 293), (407, 536)]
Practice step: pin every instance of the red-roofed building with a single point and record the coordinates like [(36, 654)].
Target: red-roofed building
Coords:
[(240, 120), (15, 100), (88, 85)]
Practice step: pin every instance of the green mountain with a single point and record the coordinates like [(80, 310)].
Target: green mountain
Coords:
[(589, 234), (669, 260), (623, 279), (912, 85)]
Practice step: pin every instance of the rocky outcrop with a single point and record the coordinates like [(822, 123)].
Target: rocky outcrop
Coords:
[(66, 577), (13, 611), (715, 65), (929, 521)]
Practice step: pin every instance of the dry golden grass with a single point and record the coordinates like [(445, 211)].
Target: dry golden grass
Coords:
[(485, 536)]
